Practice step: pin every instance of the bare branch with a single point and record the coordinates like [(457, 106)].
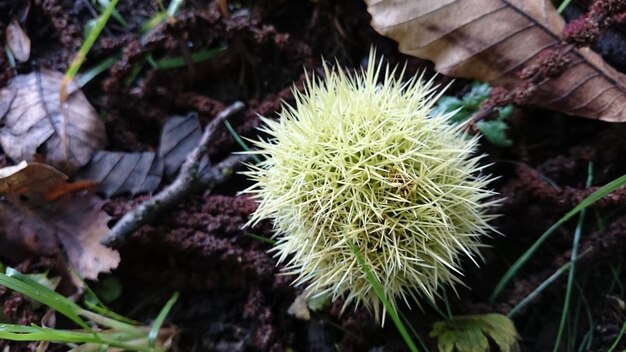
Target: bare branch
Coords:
[(188, 181)]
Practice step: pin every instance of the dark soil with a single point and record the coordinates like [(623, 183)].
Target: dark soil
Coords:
[(231, 298)]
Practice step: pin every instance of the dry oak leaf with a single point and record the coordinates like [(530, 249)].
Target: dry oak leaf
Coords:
[(33, 121), (47, 213), (491, 40)]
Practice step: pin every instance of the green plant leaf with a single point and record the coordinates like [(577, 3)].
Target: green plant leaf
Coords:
[(383, 297), (592, 198), (471, 333), (495, 132), (36, 291)]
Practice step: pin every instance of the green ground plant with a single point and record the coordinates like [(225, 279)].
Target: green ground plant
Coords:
[(99, 328)]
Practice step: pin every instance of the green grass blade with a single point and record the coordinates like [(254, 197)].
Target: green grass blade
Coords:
[(158, 322), (115, 14), (154, 21), (563, 5), (417, 336), (123, 340), (260, 238), (31, 333), (102, 66), (381, 294), (87, 44), (240, 141), (570, 275), (178, 62), (174, 7), (10, 56), (618, 338), (547, 282), (592, 198), (570, 281), (18, 282)]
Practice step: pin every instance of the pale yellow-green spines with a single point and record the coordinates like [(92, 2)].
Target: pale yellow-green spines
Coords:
[(362, 161)]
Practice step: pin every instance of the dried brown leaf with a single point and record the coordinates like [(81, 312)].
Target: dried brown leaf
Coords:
[(118, 173), (18, 41), (132, 173), (491, 40), (32, 121), (47, 212), (180, 135)]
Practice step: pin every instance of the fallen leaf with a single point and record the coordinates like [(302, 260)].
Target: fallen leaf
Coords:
[(133, 173), (41, 212), (118, 173), (33, 121), (471, 333), (18, 41), (180, 135), (491, 40)]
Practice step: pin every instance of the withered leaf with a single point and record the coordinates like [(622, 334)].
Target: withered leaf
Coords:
[(32, 121), (490, 40), (46, 213), (132, 173), (118, 172), (179, 136), (18, 41)]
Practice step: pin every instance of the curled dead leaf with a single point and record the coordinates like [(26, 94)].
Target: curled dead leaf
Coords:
[(33, 121), (40, 213), (18, 41), (491, 40)]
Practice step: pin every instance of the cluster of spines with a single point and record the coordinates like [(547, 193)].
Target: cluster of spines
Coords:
[(361, 162)]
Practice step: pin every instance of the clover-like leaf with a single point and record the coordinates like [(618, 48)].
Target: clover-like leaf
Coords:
[(471, 333)]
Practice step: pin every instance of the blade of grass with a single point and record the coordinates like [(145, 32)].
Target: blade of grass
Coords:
[(417, 336), (100, 308), (34, 290), (80, 56), (178, 62), (570, 281), (570, 275), (240, 141), (115, 14), (616, 278), (158, 322), (154, 21), (589, 333), (547, 282), (260, 238), (35, 333), (381, 294), (102, 66), (618, 338), (30, 333), (10, 56), (174, 7), (591, 199), (563, 5)]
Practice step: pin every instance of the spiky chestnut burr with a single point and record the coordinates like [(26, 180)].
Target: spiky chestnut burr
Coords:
[(368, 163)]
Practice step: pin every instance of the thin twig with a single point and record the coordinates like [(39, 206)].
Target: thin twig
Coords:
[(188, 181)]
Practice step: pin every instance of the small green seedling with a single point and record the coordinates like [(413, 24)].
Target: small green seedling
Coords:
[(471, 333), (493, 130)]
